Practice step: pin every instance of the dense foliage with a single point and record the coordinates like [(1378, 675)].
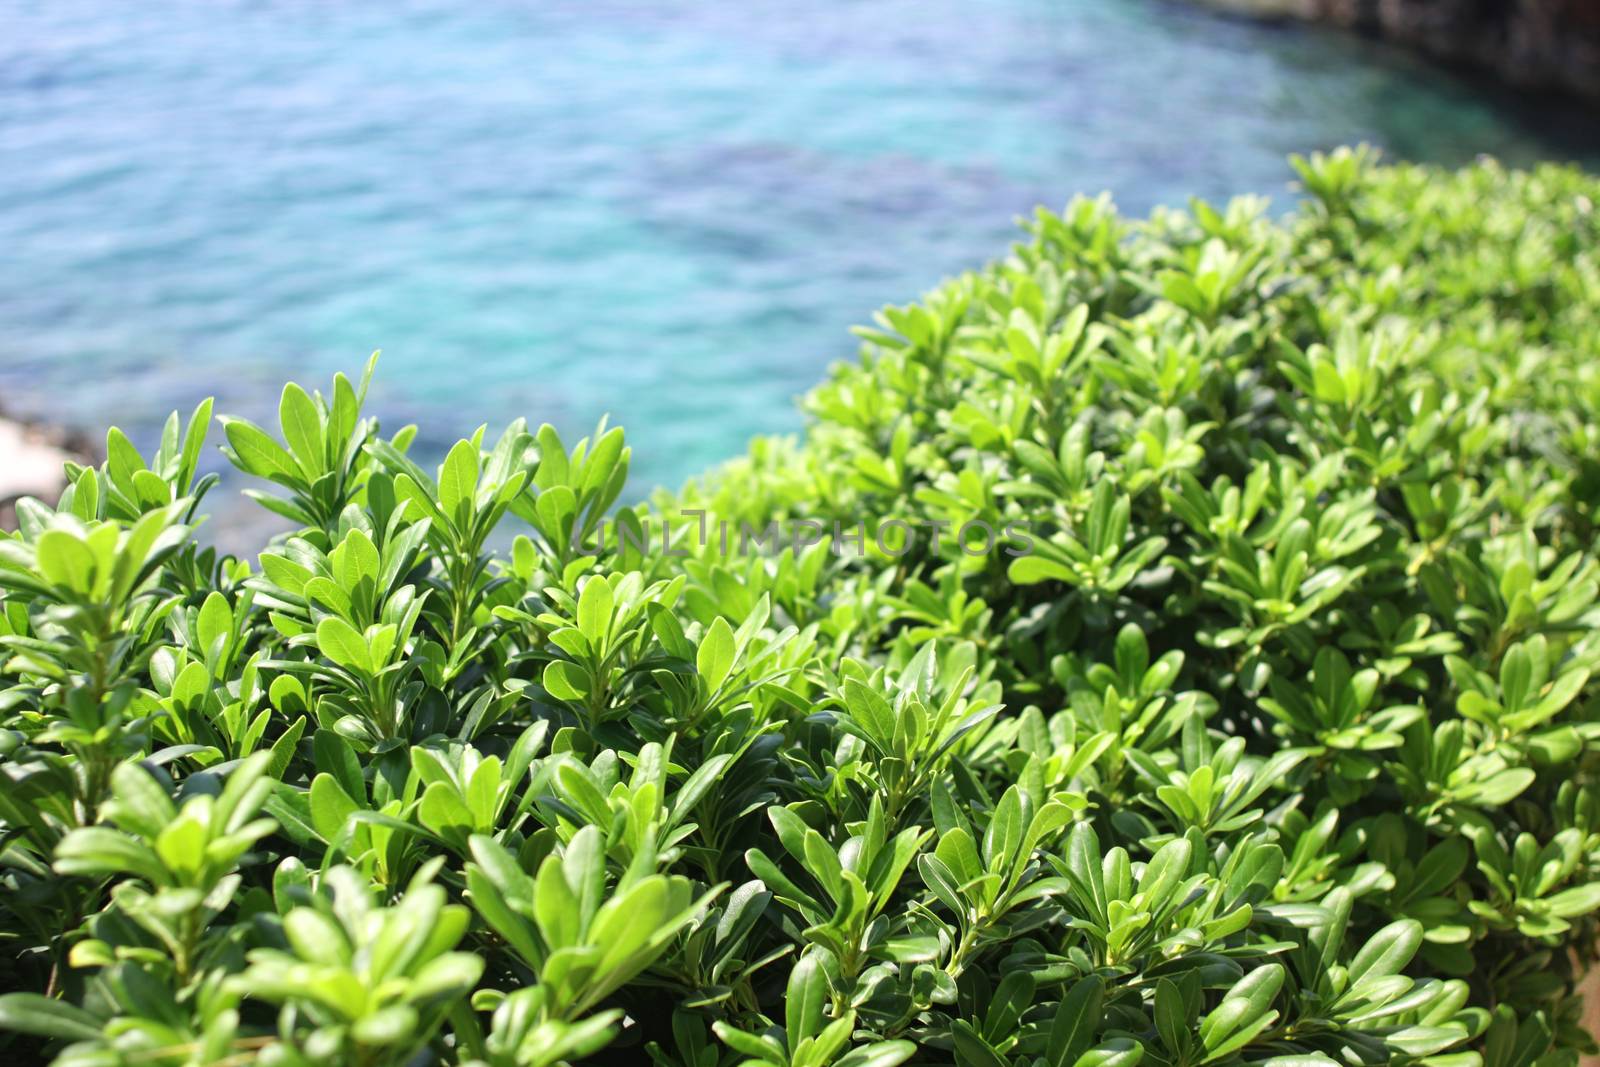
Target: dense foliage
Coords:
[(1263, 729)]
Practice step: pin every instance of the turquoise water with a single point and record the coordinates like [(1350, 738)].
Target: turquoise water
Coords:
[(665, 212)]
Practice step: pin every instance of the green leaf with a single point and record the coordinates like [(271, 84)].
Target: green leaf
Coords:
[(1579, 900), (215, 622), (96, 850), (1172, 1020), (715, 656), (29, 1013), (283, 749), (331, 808), (1031, 570), (333, 755), (1077, 1020), (1387, 951), (256, 453), (566, 681), (66, 561), (302, 429), (340, 642), (972, 1050), (194, 440), (805, 998), (122, 460), (142, 806), (878, 1054), (1118, 1052), (387, 1026), (458, 482), (595, 606)]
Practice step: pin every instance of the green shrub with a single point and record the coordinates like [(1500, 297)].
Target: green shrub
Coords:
[(1242, 713)]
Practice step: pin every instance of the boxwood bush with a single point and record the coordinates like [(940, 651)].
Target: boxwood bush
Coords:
[(1169, 645)]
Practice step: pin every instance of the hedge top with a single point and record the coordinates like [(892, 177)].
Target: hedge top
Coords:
[(1188, 659)]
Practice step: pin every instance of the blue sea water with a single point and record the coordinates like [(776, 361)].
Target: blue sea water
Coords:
[(665, 212)]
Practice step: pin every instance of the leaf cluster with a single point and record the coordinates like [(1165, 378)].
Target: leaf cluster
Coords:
[(1280, 745)]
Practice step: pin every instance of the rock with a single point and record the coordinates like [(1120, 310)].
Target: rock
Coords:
[(31, 464), (1534, 44), (1266, 9)]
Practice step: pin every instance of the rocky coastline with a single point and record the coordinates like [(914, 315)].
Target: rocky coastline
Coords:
[(1531, 44), (32, 456)]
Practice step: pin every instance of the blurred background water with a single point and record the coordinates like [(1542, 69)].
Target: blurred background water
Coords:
[(670, 213)]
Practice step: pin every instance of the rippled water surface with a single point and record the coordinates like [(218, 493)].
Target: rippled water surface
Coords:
[(666, 212)]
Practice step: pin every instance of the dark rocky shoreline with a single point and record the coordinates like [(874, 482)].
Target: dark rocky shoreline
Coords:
[(32, 455), (1530, 44)]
